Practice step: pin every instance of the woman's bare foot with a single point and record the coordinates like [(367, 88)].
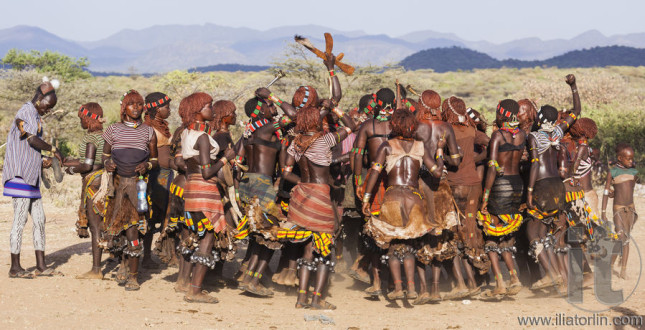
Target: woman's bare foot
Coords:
[(291, 279), (181, 287), (94, 274), (279, 278)]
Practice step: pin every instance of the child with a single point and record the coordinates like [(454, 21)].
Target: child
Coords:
[(623, 177)]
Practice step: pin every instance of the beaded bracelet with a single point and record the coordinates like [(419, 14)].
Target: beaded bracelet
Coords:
[(358, 180), (573, 115), (534, 160), (377, 166), (275, 100), (205, 166), (486, 194), (332, 73), (494, 163)]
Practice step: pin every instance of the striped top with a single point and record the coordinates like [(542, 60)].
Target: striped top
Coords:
[(546, 139), (21, 160), (319, 152), (121, 136), (95, 138), (129, 146)]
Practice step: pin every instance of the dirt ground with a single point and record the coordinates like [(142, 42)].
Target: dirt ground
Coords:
[(65, 302)]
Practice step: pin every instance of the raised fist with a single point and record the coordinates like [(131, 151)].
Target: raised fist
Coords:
[(262, 92)]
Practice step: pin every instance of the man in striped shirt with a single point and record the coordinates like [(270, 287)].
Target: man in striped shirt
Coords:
[(21, 177)]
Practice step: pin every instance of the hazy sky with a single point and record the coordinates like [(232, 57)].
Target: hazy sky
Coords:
[(492, 20)]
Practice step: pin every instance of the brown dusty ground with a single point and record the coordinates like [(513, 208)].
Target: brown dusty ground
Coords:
[(65, 302)]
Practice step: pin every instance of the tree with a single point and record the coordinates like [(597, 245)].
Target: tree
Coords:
[(63, 66)]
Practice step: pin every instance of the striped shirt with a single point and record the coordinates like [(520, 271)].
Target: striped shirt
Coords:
[(95, 138), (21, 160), (121, 136), (319, 152), (129, 146)]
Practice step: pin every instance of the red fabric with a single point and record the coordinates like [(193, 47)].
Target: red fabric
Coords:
[(310, 207)]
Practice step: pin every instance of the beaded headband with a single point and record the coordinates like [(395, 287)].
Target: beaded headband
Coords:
[(305, 99), (258, 107), (157, 103), (125, 94), (87, 113), (370, 106)]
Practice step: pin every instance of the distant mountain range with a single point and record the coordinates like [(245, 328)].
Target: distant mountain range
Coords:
[(457, 58), (168, 47)]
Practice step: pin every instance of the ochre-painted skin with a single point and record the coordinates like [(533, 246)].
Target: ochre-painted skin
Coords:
[(133, 112), (194, 166), (404, 173), (547, 166), (312, 173), (165, 159), (94, 220)]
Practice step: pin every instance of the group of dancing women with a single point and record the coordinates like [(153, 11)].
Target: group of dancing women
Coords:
[(404, 182)]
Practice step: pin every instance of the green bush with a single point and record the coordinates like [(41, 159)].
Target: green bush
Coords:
[(62, 66)]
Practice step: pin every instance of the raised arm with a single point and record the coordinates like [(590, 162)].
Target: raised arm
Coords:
[(336, 93), (577, 108), (286, 107)]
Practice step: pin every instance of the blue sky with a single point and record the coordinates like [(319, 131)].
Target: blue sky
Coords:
[(491, 20)]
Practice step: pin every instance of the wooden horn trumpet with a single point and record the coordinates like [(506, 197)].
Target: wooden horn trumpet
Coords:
[(411, 90)]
